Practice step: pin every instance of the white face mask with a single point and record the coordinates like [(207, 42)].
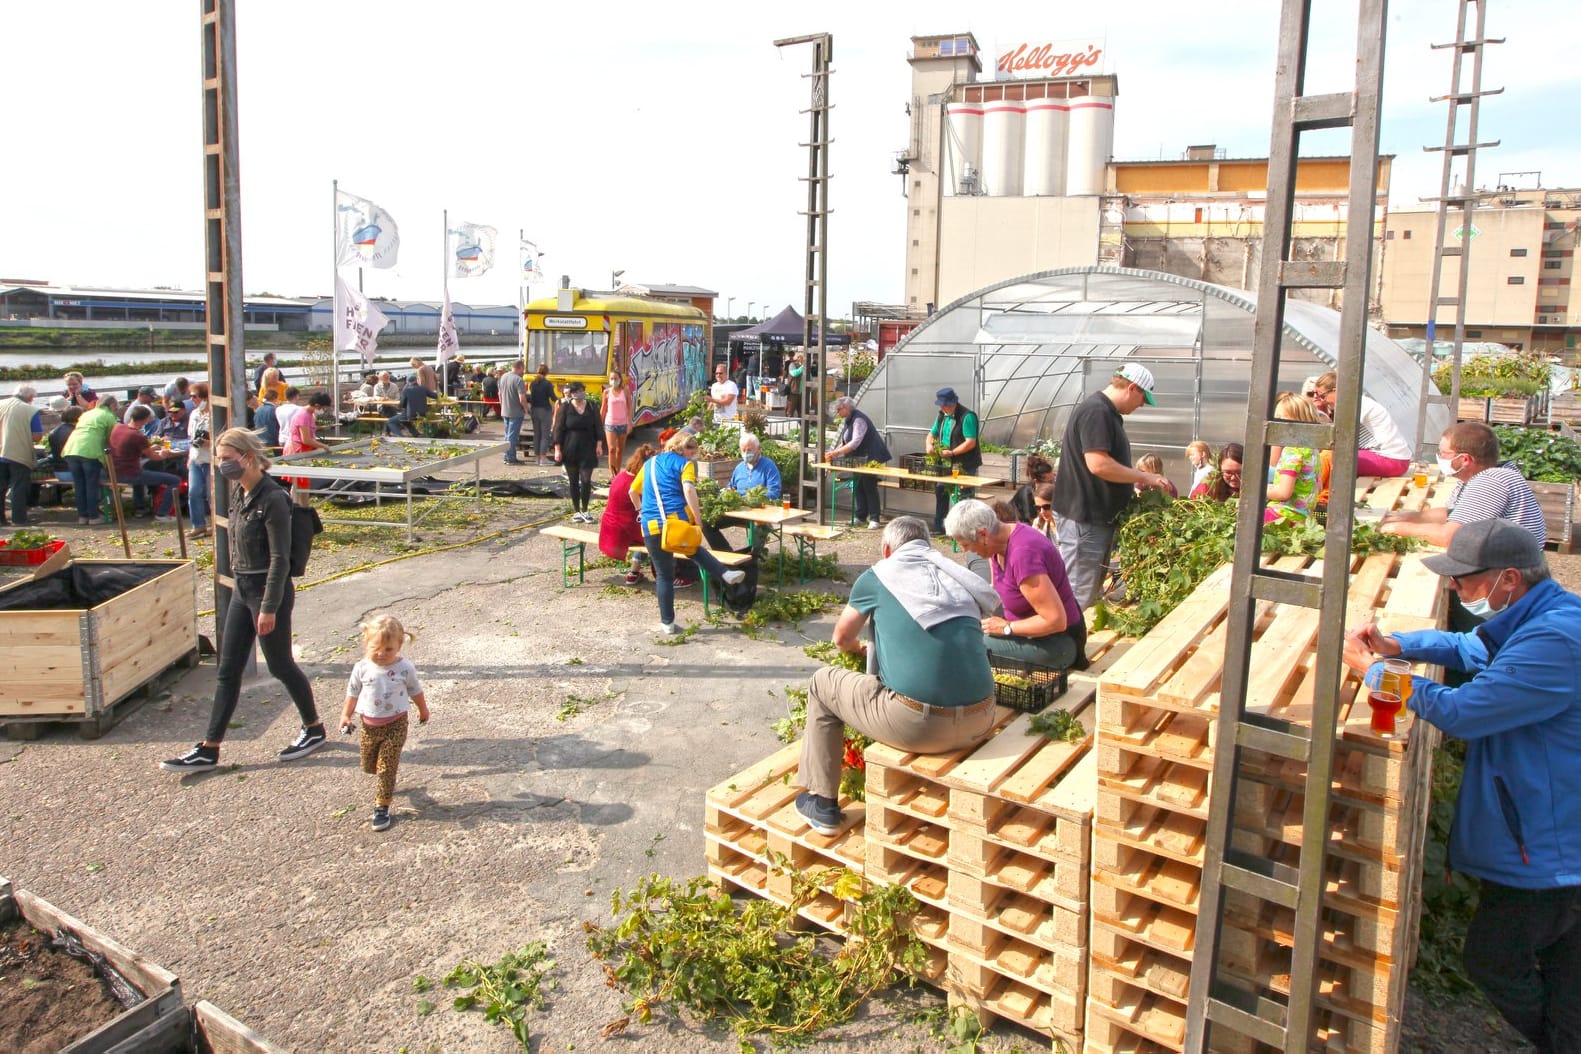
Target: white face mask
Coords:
[(749, 456), (1446, 465), (1484, 608)]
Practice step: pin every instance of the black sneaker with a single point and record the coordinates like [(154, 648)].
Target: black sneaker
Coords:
[(306, 741), (381, 818), (199, 759), (822, 814)]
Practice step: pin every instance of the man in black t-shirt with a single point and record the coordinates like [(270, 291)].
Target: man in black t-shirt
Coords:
[(1096, 480)]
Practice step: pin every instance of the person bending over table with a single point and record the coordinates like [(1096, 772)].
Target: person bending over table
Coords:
[(618, 529), (129, 448), (1381, 449), (754, 470), (1517, 823), (859, 438), (667, 486), (414, 407), (934, 691), (953, 435), (1042, 624)]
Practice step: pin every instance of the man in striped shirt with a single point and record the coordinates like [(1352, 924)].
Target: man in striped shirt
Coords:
[(1485, 490)]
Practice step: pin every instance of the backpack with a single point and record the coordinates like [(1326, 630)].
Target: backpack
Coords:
[(740, 597), (305, 523)]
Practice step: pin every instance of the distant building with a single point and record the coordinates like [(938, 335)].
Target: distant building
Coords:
[(422, 316), (691, 295), (1014, 175), (1521, 248), (45, 305)]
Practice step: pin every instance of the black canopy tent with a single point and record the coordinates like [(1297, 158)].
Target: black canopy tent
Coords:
[(772, 336)]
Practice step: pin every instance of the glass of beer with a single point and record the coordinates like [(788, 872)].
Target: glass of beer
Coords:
[(1397, 679), (785, 501), (1385, 705), (955, 470), (1419, 474)]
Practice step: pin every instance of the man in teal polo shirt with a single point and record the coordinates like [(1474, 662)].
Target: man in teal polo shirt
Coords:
[(934, 691)]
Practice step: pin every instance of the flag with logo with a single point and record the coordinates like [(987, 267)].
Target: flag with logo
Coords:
[(449, 345), (471, 249), (365, 235), (357, 322), (531, 271)]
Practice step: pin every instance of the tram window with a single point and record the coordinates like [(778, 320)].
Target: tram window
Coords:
[(579, 354)]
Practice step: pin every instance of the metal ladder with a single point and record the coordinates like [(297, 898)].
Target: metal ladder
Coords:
[(812, 486), (1465, 200), (1220, 999)]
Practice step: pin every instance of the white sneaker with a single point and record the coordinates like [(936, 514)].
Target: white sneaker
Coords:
[(732, 577), (669, 629), (873, 525)]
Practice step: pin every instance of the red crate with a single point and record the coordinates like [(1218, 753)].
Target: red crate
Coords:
[(28, 557)]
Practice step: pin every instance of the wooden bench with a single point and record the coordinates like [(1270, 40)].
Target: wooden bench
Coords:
[(807, 537), (577, 539)]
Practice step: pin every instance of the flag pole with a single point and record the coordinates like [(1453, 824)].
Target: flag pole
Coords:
[(444, 256), (334, 297), (521, 296)]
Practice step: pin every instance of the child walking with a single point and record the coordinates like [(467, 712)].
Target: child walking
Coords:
[(382, 687)]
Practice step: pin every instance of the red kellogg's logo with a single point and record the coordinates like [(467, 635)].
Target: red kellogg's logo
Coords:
[(1042, 60)]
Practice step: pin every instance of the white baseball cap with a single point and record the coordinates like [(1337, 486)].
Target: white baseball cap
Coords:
[(1140, 376)]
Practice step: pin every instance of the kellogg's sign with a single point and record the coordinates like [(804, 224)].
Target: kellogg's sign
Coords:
[(1047, 60)]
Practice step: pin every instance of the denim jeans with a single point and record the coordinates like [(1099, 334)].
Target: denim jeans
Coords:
[(85, 472), (145, 478), (18, 484), (542, 429), (393, 426), (198, 482), (664, 573), (513, 436), (239, 636)]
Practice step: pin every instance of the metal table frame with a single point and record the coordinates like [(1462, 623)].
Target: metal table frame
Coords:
[(340, 478)]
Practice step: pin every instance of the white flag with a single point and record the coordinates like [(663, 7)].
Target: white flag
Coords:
[(448, 344), (357, 322), (471, 249), (365, 235), (529, 260)]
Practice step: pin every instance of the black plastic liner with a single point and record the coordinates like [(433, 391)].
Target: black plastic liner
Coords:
[(79, 586)]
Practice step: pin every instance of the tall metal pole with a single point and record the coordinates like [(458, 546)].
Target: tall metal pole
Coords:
[(222, 214), (334, 293)]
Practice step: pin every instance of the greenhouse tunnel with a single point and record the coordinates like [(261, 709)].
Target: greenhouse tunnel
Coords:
[(1023, 352)]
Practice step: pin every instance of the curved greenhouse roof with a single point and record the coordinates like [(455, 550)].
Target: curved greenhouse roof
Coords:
[(1023, 352)]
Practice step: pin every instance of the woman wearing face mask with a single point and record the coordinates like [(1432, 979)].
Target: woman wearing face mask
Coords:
[(261, 604), (617, 419), (578, 444)]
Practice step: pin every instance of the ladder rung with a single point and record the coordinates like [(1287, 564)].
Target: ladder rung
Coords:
[(1282, 588), (1312, 274), (1254, 883), (1333, 110), (1452, 250), (1460, 97), (1467, 45), (1247, 1023), (1271, 741), (1459, 148), (1449, 301), (1299, 433)]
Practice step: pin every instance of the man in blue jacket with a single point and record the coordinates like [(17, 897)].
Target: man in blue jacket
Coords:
[(1517, 824)]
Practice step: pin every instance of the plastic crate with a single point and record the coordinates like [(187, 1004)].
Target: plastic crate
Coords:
[(848, 462), (1047, 684), (918, 464), (28, 557)]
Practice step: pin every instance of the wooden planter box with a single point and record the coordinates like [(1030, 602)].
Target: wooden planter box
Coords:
[(159, 1023), (1560, 502), (76, 664), (718, 471), (1515, 411), (216, 1032)]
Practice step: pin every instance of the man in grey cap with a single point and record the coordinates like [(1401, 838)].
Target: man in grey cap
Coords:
[(1095, 481), (1517, 825), (146, 396)]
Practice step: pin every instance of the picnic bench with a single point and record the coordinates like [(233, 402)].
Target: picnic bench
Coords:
[(577, 539)]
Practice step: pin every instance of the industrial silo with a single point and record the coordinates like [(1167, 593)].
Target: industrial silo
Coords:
[(1047, 124), (963, 145), (1004, 121), (1090, 143)]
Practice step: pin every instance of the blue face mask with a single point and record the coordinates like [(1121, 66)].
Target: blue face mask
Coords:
[(1484, 608)]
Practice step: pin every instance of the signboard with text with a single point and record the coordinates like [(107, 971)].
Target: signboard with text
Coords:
[(1047, 58)]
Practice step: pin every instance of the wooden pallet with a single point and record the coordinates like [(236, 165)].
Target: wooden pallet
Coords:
[(1157, 714)]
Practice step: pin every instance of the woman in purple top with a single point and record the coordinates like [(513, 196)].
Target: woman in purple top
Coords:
[(1042, 623)]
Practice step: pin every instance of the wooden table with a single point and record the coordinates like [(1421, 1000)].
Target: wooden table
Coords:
[(772, 519), (899, 475)]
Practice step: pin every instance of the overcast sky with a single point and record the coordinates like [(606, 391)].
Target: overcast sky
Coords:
[(660, 139)]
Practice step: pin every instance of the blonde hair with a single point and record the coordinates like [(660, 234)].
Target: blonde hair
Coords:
[(72, 376), (386, 629), (678, 443), (1150, 463), (1197, 446), (1294, 407), (271, 379), (245, 442)]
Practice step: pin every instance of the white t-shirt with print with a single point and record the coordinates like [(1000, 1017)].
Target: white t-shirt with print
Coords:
[(383, 691), (720, 389)]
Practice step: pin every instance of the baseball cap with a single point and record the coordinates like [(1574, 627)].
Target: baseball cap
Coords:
[(146, 390), (59, 403), (945, 396), (1140, 376), (1486, 544)]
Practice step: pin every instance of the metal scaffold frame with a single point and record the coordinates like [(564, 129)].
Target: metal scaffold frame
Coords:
[(1216, 999), (1465, 200), (222, 225), (815, 300)]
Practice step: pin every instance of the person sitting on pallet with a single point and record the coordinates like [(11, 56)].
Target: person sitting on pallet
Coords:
[(1517, 825), (934, 691)]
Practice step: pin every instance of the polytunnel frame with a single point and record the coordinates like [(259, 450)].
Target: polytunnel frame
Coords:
[(1221, 338)]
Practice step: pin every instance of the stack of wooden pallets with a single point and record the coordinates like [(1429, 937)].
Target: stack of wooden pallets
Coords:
[(1157, 707)]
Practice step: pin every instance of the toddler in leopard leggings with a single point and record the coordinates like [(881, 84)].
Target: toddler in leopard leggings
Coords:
[(382, 687)]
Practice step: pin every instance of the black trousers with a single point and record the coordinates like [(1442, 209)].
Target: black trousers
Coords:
[(1523, 949), (240, 633), (580, 478), (865, 500)]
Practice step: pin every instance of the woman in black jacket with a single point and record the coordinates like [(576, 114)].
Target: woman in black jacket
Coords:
[(578, 445), (261, 604)]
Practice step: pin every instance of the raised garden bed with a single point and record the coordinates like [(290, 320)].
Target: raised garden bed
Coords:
[(50, 1001), (90, 635)]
